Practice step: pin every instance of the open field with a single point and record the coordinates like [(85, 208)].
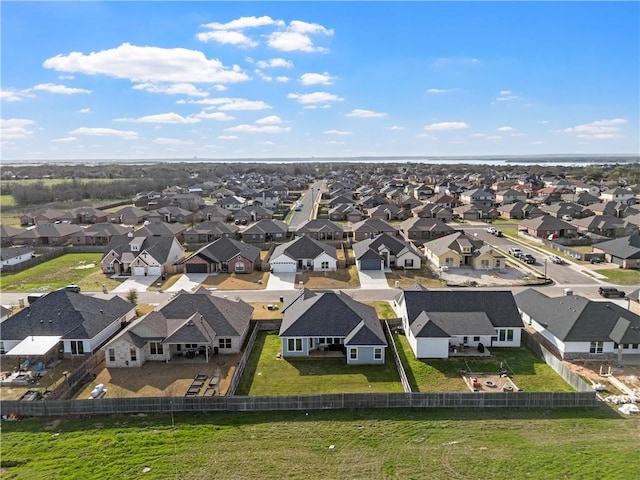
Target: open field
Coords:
[(367, 444), (341, 278), (265, 374), (622, 277), (7, 201), (423, 276), (443, 375), (237, 281), (83, 269)]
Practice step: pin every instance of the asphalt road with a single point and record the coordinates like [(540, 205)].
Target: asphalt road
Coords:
[(307, 201), (566, 274)]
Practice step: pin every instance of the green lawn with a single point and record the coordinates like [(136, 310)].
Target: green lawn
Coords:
[(7, 201), (383, 309), (266, 374), (500, 444), (443, 375), (622, 277), (83, 269)]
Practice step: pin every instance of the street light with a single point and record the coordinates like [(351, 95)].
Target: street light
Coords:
[(545, 270)]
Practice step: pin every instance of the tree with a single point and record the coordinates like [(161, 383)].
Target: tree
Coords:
[(132, 296)]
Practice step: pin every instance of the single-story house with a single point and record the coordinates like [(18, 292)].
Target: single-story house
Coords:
[(422, 230), (210, 231), (15, 255), (315, 321), (7, 233), (577, 327), (322, 230), (47, 234), (461, 250), (190, 324), (139, 256), (624, 251), (63, 322), (546, 225), (224, 255), (266, 230), (303, 253), (439, 324), (384, 251), (371, 227)]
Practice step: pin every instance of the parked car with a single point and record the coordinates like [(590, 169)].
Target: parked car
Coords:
[(607, 292), (515, 251), (498, 233), (556, 259), (491, 230), (526, 258), (72, 288), (567, 218)]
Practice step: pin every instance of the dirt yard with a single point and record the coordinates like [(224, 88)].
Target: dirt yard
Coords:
[(480, 382), (157, 379), (627, 374)]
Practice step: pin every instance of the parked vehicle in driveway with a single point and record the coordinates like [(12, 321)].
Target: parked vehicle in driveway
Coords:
[(515, 251), (556, 259), (607, 292)]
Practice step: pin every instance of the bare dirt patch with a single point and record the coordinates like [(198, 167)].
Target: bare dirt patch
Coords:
[(237, 281), (158, 379), (598, 372), (484, 382)]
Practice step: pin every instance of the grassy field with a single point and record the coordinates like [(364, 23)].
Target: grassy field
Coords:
[(83, 269), (524, 367), (622, 277), (367, 444), (266, 374), (424, 276), (7, 201), (341, 278)]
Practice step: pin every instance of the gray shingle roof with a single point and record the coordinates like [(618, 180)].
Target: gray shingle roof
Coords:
[(624, 247), (302, 248), (224, 249), (394, 245)]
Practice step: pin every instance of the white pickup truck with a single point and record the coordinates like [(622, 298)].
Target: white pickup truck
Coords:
[(515, 251)]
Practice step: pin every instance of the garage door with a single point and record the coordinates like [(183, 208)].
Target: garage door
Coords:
[(197, 268), (283, 267), (138, 271), (372, 264), (157, 271)]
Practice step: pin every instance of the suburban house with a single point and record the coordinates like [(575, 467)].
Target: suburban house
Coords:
[(634, 301), (331, 321), (422, 230), (128, 216), (232, 203), (386, 251), (345, 212), (15, 255), (431, 210), (99, 233), (478, 196), (461, 250), (505, 197), (303, 253), (209, 231), (224, 255), (546, 226), (624, 251), (47, 234), (576, 327), (7, 233), (322, 230), (515, 210), (212, 212), (46, 215), (90, 215), (566, 209), (266, 231), (190, 325), (63, 322), (440, 324), (161, 229), (172, 214), (620, 195), (605, 225), (387, 212), (141, 255), (252, 214), (371, 227)]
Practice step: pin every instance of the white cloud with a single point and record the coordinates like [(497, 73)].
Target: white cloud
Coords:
[(518, 135), (270, 120), (360, 113), (439, 90), (60, 89), (148, 64), (173, 89), (315, 97), (65, 139), (478, 135), (244, 22), (336, 132), (225, 103), (15, 128), (505, 129), (275, 63), (282, 79), (395, 128), (599, 126), (227, 38), (220, 116), (600, 136), (506, 95), (244, 128), (227, 137), (84, 110), (104, 132), (160, 118), (505, 92), (220, 88), (447, 126), (171, 141), (12, 95), (297, 37), (316, 79)]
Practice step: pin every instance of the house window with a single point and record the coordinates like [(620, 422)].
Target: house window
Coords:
[(77, 347), (239, 267), (2, 351), (634, 346), (190, 345), (408, 262), (353, 353), (294, 344), (448, 261), (596, 347), (324, 265), (377, 354), (133, 354), (484, 263), (476, 339), (321, 340), (509, 335), (156, 348), (112, 354), (224, 342), (497, 262)]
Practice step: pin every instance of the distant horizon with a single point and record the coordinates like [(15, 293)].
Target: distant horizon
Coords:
[(274, 79)]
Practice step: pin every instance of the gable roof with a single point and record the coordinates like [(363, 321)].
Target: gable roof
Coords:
[(395, 246), (158, 247), (304, 247), (224, 249), (623, 247)]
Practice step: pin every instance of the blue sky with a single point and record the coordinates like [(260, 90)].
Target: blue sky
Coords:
[(98, 80)]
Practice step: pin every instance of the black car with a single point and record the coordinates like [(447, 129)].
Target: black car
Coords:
[(526, 258), (607, 292)]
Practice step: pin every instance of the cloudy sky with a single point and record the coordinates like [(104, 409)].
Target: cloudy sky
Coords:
[(98, 80)]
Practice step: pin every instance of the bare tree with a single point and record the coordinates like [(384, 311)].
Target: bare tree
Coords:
[(132, 296)]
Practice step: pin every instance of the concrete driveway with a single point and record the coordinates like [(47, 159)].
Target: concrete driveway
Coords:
[(188, 282), (281, 281), (137, 283), (373, 279)]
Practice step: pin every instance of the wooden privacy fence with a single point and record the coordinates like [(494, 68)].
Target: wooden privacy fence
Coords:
[(106, 406)]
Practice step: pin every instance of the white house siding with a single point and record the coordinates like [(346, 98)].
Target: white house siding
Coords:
[(365, 356), (517, 334), (323, 257), (400, 261), (86, 346), (122, 352), (15, 260), (283, 264), (105, 335), (431, 347), (287, 353)]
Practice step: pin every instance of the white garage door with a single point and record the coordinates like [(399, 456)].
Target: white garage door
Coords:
[(156, 271), (283, 267), (138, 271)]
